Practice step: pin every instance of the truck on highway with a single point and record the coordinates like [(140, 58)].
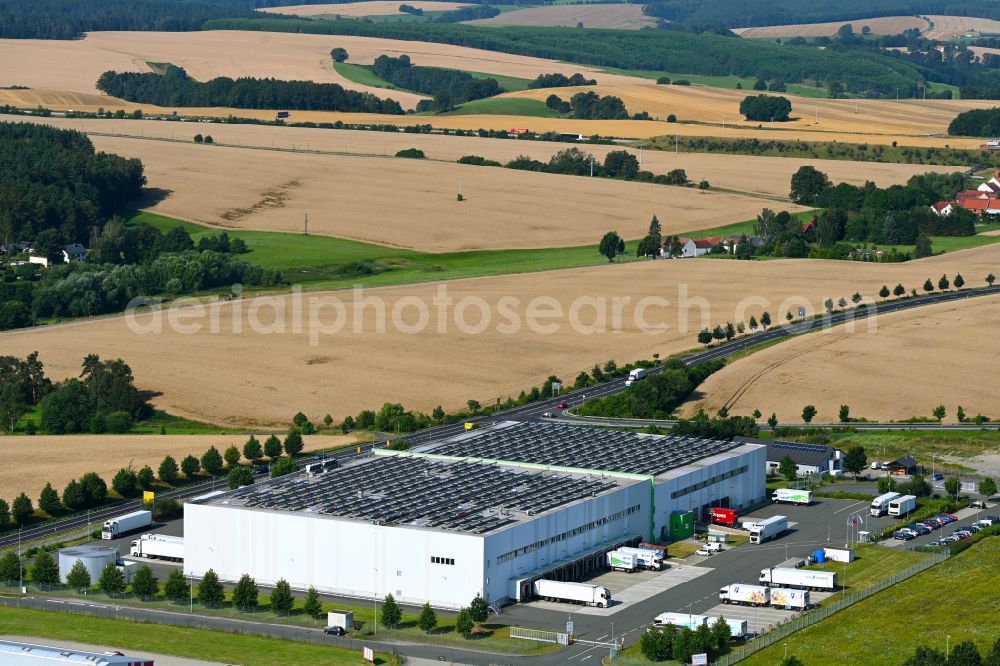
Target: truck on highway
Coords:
[(737, 628), (130, 522), (806, 579), (645, 558), (158, 546), (635, 375), (880, 505), (768, 528), (745, 595), (902, 506), (579, 593), (792, 496), (720, 516), (680, 620), (619, 561), (786, 597)]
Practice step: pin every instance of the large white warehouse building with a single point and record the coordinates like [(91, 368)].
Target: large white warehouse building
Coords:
[(484, 513)]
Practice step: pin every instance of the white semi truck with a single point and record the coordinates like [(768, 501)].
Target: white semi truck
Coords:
[(130, 522), (645, 558), (880, 505), (902, 506), (737, 628), (806, 579), (792, 496), (159, 546), (785, 597), (746, 595), (680, 620), (620, 561), (580, 593), (768, 528), (635, 375)]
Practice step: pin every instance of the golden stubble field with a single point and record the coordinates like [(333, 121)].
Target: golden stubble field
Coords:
[(255, 364), (33, 461), (764, 175), (357, 9), (412, 203), (913, 362), (886, 25), (617, 16)]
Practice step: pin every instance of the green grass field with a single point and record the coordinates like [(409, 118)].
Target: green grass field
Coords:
[(920, 444), (729, 81), (363, 75), (957, 598), (871, 564), (504, 106), (179, 641)]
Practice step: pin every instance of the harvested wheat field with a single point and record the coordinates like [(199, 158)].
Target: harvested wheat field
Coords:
[(358, 9), (950, 27), (411, 203), (32, 461), (616, 16), (885, 374), (506, 342), (886, 25), (769, 176)]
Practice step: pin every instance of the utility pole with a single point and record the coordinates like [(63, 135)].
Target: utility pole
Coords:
[(677, 142), (640, 157), (305, 227)]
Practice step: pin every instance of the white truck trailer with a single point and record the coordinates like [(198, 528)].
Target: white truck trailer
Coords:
[(902, 506), (786, 597), (746, 595), (159, 546), (130, 522), (680, 620), (768, 528), (737, 628), (806, 579), (580, 593), (880, 505), (792, 496), (645, 558), (620, 561), (635, 375)]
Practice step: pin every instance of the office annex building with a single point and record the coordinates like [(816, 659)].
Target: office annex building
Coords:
[(486, 512)]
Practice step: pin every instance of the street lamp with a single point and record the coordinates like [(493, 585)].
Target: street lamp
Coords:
[(786, 651), (947, 647), (20, 565)]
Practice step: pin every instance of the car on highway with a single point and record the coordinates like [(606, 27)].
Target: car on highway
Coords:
[(919, 529), (546, 415), (904, 535), (978, 504), (562, 404), (334, 631)]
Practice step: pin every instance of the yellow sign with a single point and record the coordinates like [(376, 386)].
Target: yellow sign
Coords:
[(148, 496), (470, 426)]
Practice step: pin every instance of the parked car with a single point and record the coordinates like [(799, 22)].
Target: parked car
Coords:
[(946, 518), (961, 534), (931, 524), (919, 529), (938, 477), (904, 535), (949, 516), (988, 520), (562, 404), (936, 543), (973, 528), (334, 631), (949, 539), (978, 504)]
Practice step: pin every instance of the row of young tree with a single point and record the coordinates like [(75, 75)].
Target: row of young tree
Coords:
[(54, 181), (175, 88)]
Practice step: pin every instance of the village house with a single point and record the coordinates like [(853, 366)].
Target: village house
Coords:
[(71, 252)]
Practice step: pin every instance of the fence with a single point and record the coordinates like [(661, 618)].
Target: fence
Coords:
[(540, 635), (825, 611)]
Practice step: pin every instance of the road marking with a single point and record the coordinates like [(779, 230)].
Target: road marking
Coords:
[(851, 506)]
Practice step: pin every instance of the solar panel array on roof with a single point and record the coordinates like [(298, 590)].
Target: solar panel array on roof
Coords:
[(798, 446), (462, 496), (583, 448)]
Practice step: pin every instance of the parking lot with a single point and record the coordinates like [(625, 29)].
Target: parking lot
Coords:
[(965, 517)]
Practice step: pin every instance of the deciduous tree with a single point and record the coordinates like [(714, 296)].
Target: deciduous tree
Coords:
[(48, 500), (272, 447), (808, 412), (112, 580), (144, 583), (22, 510), (281, 597), (312, 607), (78, 577), (245, 594), (190, 466), (788, 469), (855, 460), (168, 470), (293, 442), (428, 618), (211, 461), (231, 456), (176, 588), (611, 245), (210, 591), (391, 615), (463, 623)]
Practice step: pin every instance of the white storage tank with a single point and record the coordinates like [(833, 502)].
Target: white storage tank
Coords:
[(95, 558)]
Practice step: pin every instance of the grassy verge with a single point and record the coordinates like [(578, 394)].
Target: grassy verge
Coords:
[(871, 564), (167, 424), (322, 262), (954, 598), (179, 641)]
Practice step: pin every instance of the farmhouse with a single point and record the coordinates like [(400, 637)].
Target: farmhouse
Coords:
[(71, 252), (487, 512), (692, 247), (942, 208)]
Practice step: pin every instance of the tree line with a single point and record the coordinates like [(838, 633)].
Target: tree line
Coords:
[(53, 180), (591, 106), (561, 81), (449, 86), (655, 397), (175, 88), (977, 122)]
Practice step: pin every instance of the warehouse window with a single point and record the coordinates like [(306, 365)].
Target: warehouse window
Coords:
[(709, 482), (442, 560)]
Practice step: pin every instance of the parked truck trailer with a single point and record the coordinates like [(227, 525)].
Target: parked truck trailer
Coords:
[(130, 522), (902, 506), (806, 579), (746, 595), (786, 597), (768, 528), (645, 558), (619, 561), (737, 628), (580, 593), (792, 496), (159, 546), (680, 620), (720, 516), (880, 505)]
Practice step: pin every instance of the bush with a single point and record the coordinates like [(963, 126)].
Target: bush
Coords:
[(412, 153), (765, 107)]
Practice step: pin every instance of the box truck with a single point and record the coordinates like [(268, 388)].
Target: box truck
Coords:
[(785, 597), (130, 522), (620, 561), (902, 506), (680, 620), (580, 593), (159, 546), (880, 505), (746, 595), (635, 375), (768, 528), (645, 558), (792, 496), (725, 517), (807, 579), (737, 628)]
